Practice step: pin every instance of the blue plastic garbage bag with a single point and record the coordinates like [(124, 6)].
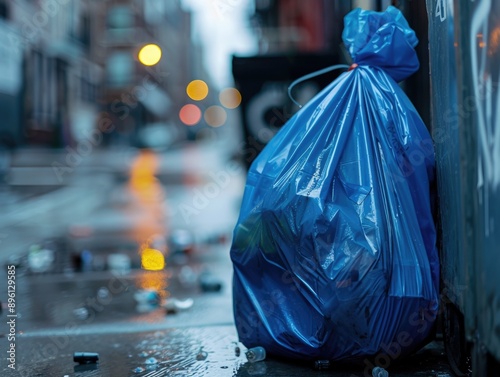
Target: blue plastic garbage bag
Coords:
[(334, 250)]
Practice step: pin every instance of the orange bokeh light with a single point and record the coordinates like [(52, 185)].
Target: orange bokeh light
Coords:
[(230, 98), (143, 170), (215, 116), (197, 90)]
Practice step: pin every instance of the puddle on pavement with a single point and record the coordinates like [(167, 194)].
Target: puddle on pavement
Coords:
[(191, 352)]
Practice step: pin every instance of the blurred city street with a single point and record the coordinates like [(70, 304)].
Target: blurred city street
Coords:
[(189, 196)]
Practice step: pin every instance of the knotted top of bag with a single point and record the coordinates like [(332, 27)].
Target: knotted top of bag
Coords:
[(382, 39)]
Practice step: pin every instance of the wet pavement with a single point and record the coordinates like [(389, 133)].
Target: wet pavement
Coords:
[(92, 294), (191, 351)]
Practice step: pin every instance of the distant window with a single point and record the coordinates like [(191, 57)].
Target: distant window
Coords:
[(4, 10), (119, 69), (120, 17), (85, 31)]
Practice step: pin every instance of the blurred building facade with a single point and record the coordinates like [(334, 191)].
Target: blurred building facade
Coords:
[(70, 66), (49, 66), (299, 26), (136, 95)]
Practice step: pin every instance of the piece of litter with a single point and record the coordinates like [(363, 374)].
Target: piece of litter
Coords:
[(201, 355), (322, 364), (255, 354), (174, 305), (210, 283), (379, 372), (86, 357)]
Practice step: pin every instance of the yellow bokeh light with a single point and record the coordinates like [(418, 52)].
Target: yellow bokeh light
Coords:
[(152, 260), (230, 98), (215, 116), (150, 54), (197, 90)]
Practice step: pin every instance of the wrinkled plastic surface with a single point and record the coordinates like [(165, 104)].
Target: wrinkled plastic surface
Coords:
[(334, 250), (383, 39)]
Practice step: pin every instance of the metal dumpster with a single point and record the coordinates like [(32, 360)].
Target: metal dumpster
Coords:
[(464, 43)]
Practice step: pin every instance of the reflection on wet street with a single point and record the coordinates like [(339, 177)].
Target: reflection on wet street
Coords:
[(146, 198), (134, 265)]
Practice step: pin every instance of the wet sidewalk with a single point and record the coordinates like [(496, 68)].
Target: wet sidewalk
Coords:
[(173, 322)]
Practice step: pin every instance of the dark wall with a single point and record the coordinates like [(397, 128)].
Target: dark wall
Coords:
[(417, 86)]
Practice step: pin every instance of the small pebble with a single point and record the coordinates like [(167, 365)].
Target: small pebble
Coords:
[(379, 372), (322, 364), (81, 313), (202, 355), (139, 370), (151, 361), (103, 293), (210, 283), (85, 357)]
